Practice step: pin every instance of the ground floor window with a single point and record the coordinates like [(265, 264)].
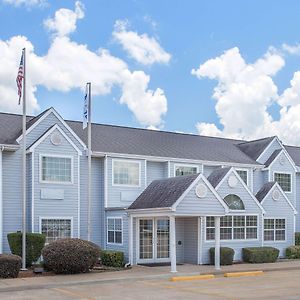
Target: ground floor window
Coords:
[(274, 229), (55, 229), (114, 230), (233, 228)]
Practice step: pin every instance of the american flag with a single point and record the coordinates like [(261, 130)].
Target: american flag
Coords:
[(20, 77)]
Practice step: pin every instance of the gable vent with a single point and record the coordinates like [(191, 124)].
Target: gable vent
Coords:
[(55, 139)]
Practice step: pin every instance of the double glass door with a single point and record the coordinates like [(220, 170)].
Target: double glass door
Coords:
[(154, 240)]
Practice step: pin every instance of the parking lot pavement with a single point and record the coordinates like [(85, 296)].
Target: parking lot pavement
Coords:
[(270, 285)]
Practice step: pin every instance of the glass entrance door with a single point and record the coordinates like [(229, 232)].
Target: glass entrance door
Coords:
[(162, 238), (154, 240), (146, 239)]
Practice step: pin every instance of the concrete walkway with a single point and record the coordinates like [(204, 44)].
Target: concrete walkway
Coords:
[(136, 273)]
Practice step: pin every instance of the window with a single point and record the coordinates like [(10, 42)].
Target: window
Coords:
[(126, 172), (243, 174), (114, 230), (181, 170), (274, 229), (56, 229), (56, 169), (234, 202), (284, 180), (233, 228)]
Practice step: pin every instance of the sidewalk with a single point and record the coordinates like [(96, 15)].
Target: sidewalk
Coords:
[(136, 273)]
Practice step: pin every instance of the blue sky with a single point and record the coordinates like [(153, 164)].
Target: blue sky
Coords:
[(191, 32)]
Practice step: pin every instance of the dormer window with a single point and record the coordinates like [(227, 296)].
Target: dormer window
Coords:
[(284, 180), (234, 202), (182, 170)]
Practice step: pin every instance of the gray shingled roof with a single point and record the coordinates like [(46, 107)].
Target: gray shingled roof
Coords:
[(255, 148), (294, 153), (272, 157), (217, 175), (163, 193), (118, 139), (262, 193)]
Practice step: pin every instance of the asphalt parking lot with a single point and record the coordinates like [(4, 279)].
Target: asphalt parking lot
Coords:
[(270, 285)]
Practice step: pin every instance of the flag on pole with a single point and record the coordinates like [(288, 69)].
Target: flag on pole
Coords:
[(85, 108), (20, 77)]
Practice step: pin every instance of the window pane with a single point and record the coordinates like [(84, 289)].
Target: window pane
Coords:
[(239, 233), (251, 220), (226, 221), (280, 223), (238, 221), (114, 230), (126, 173), (185, 170), (226, 233), (284, 180), (269, 223), (56, 169), (234, 202), (243, 174), (118, 237), (269, 235), (55, 229), (251, 233), (210, 222), (210, 233), (280, 235), (110, 236)]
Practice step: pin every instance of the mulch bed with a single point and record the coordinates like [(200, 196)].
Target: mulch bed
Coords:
[(97, 269)]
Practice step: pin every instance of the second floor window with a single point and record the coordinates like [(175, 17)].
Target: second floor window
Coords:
[(284, 180), (243, 174), (126, 173), (181, 170), (56, 169)]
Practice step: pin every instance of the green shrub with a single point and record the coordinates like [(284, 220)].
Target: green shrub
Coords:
[(112, 258), (10, 265), (70, 256), (297, 238), (293, 252), (226, 256), (34, 245), (258, 255)]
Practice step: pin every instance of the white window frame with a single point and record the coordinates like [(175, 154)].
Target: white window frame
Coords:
[(56, 218), (127, 161), (185, 165), (114, 218), (274, 230), (58, 156), (244, 169), (232, 240), (285, 173)]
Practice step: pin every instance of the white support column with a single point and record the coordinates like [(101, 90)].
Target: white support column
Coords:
[(173, 244), (217, 243), (1, 206), (130, 232)]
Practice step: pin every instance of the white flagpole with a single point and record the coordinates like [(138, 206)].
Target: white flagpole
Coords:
[(24, 165), (89, 160)]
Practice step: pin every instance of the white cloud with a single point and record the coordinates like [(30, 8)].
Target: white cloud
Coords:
[(291, 49), (64, 21), (27, 3), (243, 94), (69, 65), (144, 49)]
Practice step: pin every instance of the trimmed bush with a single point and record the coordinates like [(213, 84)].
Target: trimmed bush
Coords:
[(226, 256), (10, 265), (297, 238), (292, 252), (257, 255), (70, 256), (112, 258), (34, 245)]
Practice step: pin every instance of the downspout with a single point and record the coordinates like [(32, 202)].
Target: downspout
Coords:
[(1, 203)]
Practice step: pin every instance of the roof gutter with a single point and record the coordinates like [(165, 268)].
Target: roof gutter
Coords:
[(6, 147), (176, 159)]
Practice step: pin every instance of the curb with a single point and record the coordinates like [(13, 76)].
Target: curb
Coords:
[(240, 274), (193, 277)]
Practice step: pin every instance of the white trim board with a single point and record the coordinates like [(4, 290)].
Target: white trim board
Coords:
[(1, 204), (52, 110)]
